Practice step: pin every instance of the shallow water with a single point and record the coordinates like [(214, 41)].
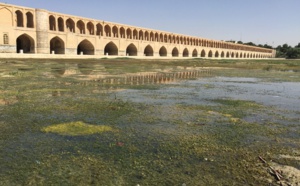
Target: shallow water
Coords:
[(169, 125)]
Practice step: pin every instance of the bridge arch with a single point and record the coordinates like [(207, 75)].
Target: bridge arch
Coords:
[(148, 50), (141, 35), (70, 24), (203, 53), (163, 51), (216, 54), (107, 31), (122, 32), (131, 50), (175, 52), (135, 34), (57, 45), (227, 55), (60, 22), (20, 19), (115, 31), (146, 36), (222, 54), (52, 23), (210, 54), (195, 53), (99, 30), (86, 48), (185, 53), (30, 21), (80, 27), (91, 28), (111, 49), (25, 44), (129, 33)]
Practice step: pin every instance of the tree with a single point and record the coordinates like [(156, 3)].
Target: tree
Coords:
[(250, 43), (293, 53)]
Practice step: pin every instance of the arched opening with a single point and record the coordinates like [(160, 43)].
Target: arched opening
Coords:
[(222, 54), (232, 55), (227, 55), (70, 24), (60, 24), (131, 50), (52, 23), (141, 35), (57, 46), (210, 54), (122, 32), (151, 36), (81, 27), (148, 51), (173, 39), (177, 40), (91, 28), (217, 54), (107, 31), (19, 20), (203, 54), (99, 30), (156, 37), (185, 53), (244, 55), (162, 51), (165, 38), (175, 52), (135, 34), (129, 33), (115, 31), (161, 38), (147, 36), (195, 53), (25, 44), (111, 49), (30, 23), (85, 47)]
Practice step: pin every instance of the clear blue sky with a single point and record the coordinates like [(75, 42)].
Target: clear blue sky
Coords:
[(273, 22)]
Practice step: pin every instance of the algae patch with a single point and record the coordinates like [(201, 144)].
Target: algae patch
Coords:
[(78, 128)]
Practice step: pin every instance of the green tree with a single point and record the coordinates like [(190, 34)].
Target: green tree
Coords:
[(293, 53)]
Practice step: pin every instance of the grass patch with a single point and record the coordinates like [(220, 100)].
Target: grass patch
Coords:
[(78, 128)]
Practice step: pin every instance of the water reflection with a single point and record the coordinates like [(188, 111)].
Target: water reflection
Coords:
[(85, 69), (58, 71), (154, 78)]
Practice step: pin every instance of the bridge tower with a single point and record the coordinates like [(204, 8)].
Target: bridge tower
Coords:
[(42, 24)]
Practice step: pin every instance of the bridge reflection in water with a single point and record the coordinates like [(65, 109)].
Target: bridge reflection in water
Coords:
[(104, 81), (154, 78)]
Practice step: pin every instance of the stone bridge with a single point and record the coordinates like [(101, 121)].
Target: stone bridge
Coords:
[(38, 31)]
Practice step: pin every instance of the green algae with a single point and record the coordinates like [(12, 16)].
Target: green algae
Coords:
[(78, 128)]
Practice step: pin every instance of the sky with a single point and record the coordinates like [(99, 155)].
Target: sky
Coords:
[(272, 22)]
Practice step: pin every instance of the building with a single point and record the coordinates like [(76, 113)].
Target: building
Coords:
[(37, 31)]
